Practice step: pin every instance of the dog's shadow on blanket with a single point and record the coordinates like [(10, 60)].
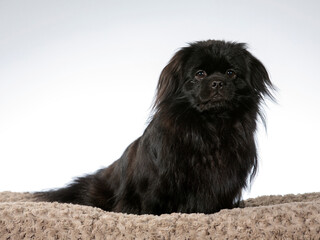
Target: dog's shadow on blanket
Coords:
[(266, 217)]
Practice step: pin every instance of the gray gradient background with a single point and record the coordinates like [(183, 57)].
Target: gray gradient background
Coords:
[(77, 79)]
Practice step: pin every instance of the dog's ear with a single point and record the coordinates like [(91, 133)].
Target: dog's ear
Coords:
[(259, 78), (262, 86), (171, 78)]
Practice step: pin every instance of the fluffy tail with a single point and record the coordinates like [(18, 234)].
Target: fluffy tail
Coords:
[(74, 193), (90, 190)]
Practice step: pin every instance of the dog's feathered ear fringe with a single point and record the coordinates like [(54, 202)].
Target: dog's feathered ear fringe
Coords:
[(260, 81), (259, 78), (171, 78)]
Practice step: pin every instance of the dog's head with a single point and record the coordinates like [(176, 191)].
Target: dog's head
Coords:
[(214, 76)]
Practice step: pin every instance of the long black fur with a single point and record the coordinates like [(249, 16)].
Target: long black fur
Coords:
[(198, 151)]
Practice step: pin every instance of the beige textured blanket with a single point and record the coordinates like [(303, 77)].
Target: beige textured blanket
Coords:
[(267, 217)]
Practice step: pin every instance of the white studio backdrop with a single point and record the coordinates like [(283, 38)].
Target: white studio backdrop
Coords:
[(77, 80)]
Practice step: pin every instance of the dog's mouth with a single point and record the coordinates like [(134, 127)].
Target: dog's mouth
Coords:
[(217, 103)]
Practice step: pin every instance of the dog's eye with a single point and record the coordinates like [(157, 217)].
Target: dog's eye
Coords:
[(201, 74), (231, 73)]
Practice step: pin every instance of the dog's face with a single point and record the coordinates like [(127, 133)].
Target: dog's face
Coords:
[(214, 76), (213, 81)]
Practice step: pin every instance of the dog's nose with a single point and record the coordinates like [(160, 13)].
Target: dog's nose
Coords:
[(217, 84)]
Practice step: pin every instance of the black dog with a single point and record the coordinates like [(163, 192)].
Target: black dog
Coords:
[(198, 151)]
